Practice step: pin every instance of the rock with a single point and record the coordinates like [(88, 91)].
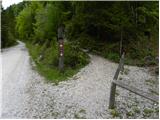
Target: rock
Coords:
[(157, 60), (148, 59), (157, 70)]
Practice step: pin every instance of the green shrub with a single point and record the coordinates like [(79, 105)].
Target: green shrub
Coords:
[(114, 113), (74, 57), (85, 41), (112, 56)]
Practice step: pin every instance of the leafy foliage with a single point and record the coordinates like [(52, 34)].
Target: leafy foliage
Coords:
[(8, 31), (102, 27)]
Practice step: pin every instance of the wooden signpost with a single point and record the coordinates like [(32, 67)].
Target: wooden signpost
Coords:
[(61, 47)]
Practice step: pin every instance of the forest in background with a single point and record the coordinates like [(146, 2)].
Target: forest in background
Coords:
[(103, 28)]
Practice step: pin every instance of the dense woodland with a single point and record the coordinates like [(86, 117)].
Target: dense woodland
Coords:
[(104, 28)]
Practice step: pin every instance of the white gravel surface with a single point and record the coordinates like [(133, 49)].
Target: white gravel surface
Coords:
[(130, 105), (27, 95)]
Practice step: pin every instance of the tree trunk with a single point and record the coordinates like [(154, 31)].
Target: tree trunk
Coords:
[(121, 43)]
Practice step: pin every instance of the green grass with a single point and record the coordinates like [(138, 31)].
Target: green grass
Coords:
[(114, 113), (47, 64), (80, 114), (154, 92), (136, 110), (82, 111), (147, 112), (126, 71), (55, 114), (130, 113), (151, 81), (54, 75), (10, 44), (112, 56)]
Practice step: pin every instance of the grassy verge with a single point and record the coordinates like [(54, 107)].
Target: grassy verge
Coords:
[(46, 58)]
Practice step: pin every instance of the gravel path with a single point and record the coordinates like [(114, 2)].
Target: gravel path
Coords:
[(27, 95)]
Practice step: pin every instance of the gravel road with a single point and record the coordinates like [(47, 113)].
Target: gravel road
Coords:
[(26, 94)]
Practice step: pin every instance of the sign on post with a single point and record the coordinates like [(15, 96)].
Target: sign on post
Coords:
[(61, 47)]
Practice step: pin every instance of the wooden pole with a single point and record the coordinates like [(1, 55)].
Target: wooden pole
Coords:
[(61, 55), (61, 47), (112, 96), (121, 42), (113, 85)]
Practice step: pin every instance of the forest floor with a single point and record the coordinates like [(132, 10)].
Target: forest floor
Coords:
[(26, 94)]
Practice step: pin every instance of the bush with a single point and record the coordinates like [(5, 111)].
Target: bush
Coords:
[(113, 56), (86, 41), (74, 57)]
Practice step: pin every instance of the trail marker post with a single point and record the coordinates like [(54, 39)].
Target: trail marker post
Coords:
[(61, 47)]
